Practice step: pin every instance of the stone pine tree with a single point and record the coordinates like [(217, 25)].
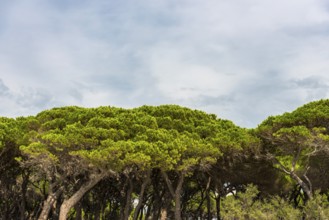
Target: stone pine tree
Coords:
[(50, 152), (12, 179), (295, 141)]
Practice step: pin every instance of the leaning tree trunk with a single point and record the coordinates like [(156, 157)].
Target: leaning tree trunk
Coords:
[(176, 194), (48, 204), (307, 189), (76, 197), (141, 195)]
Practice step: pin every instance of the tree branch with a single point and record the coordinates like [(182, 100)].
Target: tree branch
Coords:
[(294, 161), (276, 161), (307, 179), (169, 184)]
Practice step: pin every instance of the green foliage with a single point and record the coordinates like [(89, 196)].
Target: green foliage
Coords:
[(317, 207), (68, 146), (9, 131), (294, 142), (247, 205)]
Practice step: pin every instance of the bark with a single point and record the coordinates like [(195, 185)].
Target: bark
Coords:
[(199, 209), (307, 189), (128, 200), (164, 213), (218, 207), (154, 207), (76, 197), (208, 199), (165, 206), (169, 184), (176, 194), (302, 184), (48, 204), (24, 189), (208, 206), (141, 195)]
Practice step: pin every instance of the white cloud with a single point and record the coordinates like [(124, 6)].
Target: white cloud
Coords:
[(310, 59), (243, 60), (179, 78)]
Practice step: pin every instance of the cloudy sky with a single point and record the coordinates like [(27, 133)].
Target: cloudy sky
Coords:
[(240, 59)]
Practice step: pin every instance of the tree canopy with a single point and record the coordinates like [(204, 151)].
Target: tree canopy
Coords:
[(157, 162)]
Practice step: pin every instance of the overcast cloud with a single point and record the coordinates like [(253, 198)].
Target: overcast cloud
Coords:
[(243, 60)]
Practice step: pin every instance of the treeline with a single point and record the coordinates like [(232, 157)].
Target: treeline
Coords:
[(165, 162)]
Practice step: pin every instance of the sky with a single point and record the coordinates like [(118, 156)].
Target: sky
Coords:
[(242, 60)]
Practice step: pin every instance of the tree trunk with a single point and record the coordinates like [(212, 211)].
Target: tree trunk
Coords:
[(48, 204), (208, 206), (148, 215), (307, 189), (97, 215), (218, 207), (24, 189), (164, 213), (97, 212), (199, 210), (141, 214), (76, 197), (141, 195), (154, 207), (208, 199), (78, 211), (176, 194), (128, 200), (302, 184)]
